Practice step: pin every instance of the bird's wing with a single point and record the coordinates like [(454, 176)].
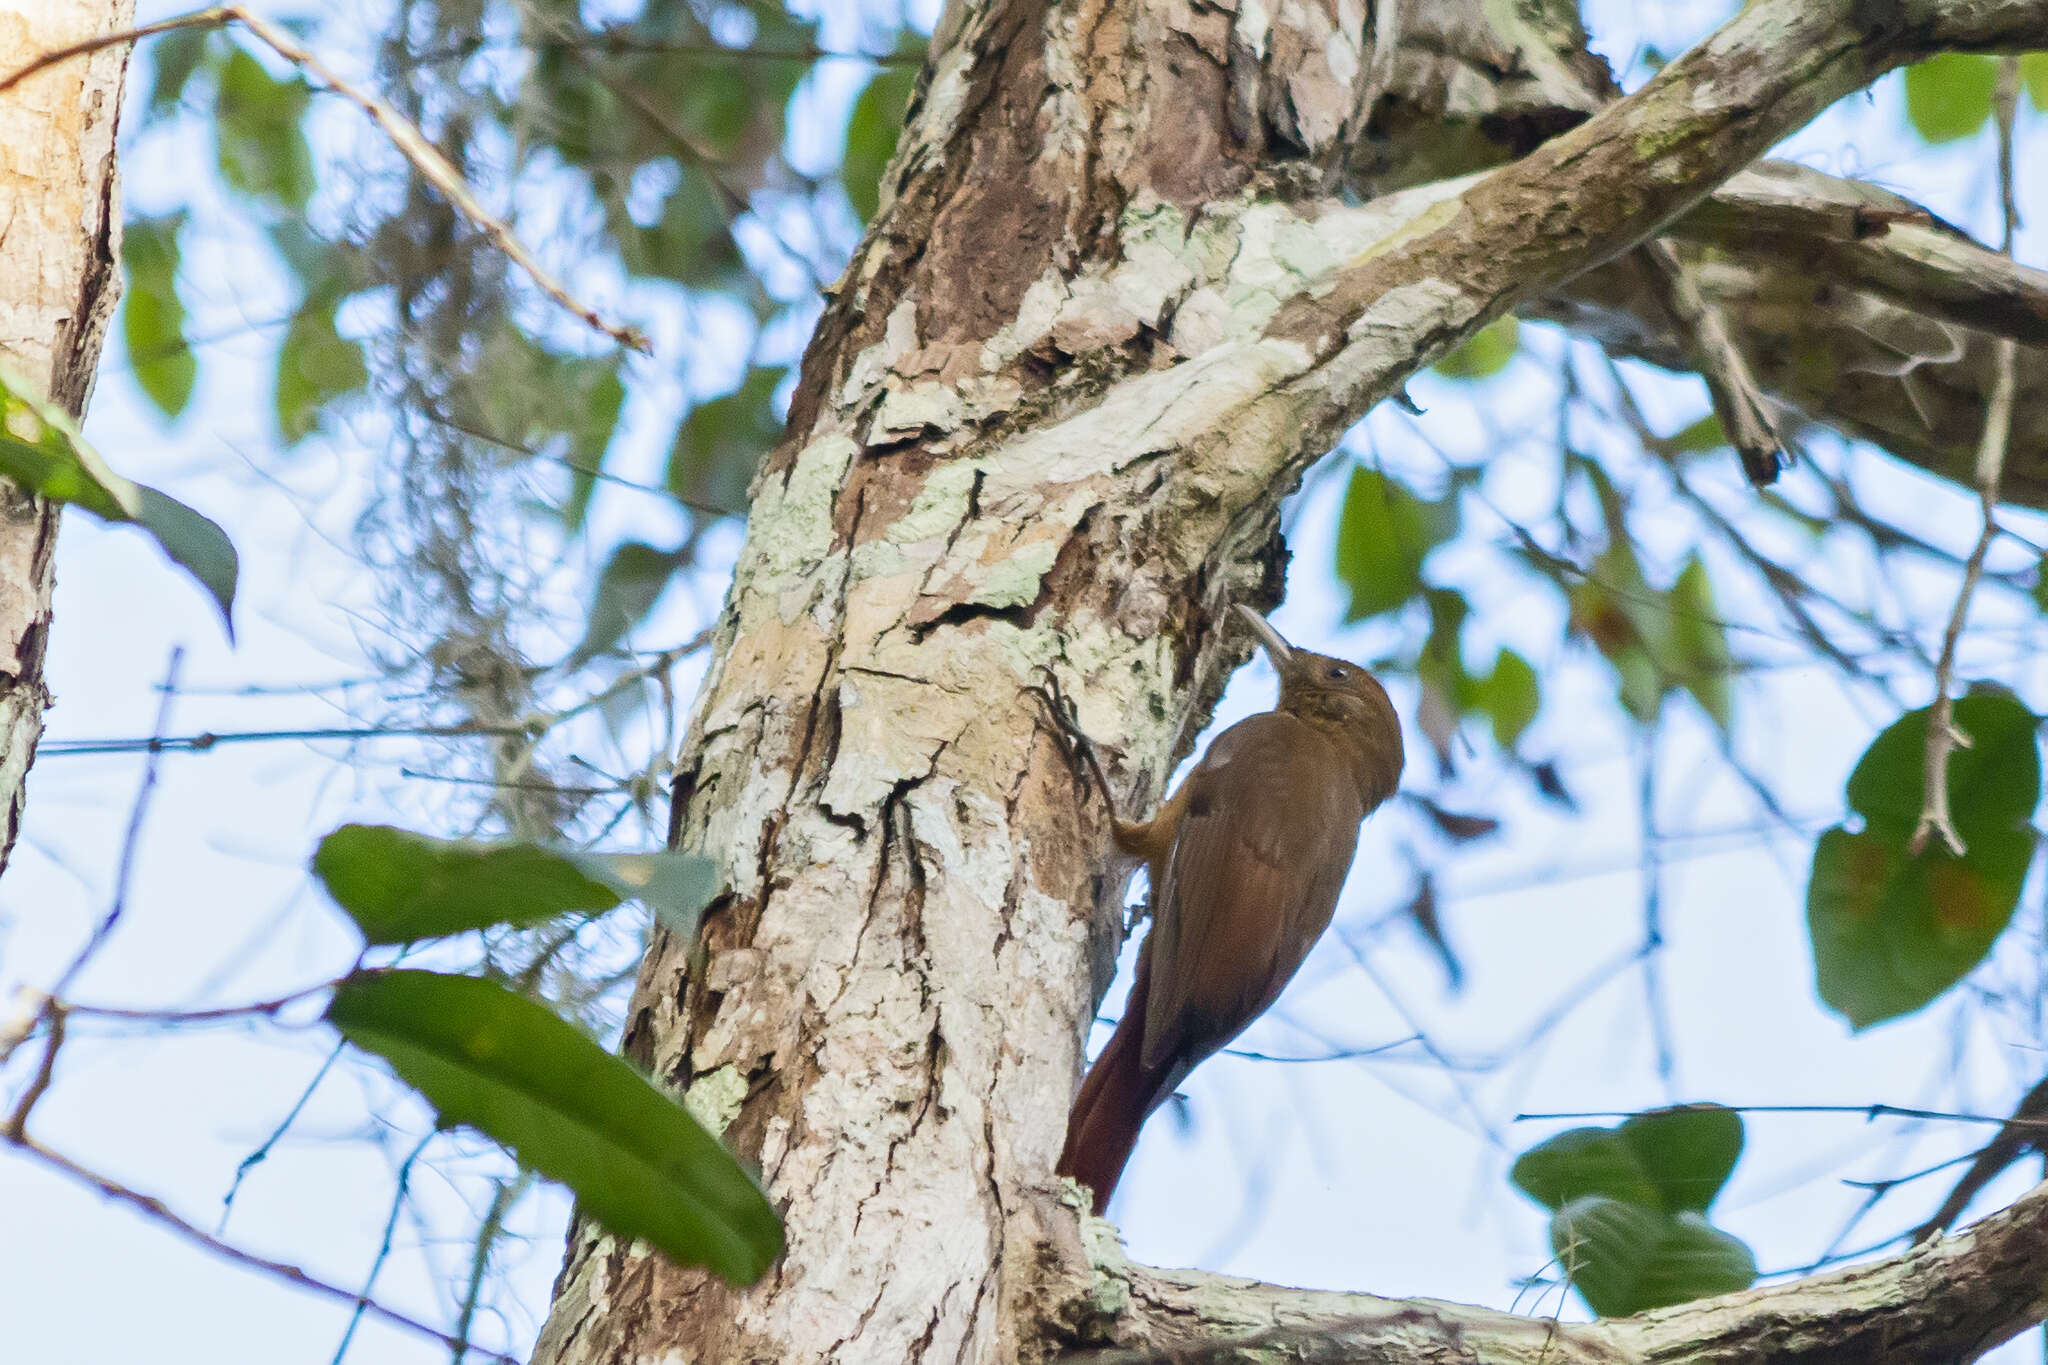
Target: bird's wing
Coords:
[(1259, 856)]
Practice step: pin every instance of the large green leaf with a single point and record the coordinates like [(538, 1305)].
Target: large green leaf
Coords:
[(173, 57), (1624, 1258), (399, 886), (260, 135), (636, 1161), (1670, 1160), (1892, 930), (1383, 534), (153, 315), (42, 449)]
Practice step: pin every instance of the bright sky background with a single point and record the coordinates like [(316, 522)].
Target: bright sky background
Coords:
[(1387, 1174)]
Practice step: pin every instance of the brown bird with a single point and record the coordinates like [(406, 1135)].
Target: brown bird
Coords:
[(1245, 862)]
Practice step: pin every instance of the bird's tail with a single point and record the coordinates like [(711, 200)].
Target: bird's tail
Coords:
[(1118, 1094)]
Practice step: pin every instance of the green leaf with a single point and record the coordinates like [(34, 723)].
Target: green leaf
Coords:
[(315, 366), (259, 133), (2034, 71), (1670, 1160), (1699, 658), (1510, 696), (632, 582), (721, 442), (1699, 437), (153, 316), (42, 449), (871, 133), (173, 57), (1949, 95), (1892, 930), (1383, 534), (1624, 1258), (1484, 353), (2040, 593), (400, 887), (635, 1160), (590, 439)]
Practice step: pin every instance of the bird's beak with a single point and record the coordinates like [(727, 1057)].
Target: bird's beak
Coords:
[(1277, 649)]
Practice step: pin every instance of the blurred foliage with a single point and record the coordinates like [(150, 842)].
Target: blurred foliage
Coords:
[(1628, 1207)]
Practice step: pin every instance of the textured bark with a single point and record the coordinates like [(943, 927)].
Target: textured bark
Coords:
[(1108, 312), (59, 240)]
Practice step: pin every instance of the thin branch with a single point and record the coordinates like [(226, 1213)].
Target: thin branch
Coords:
[(411, 143), (159, 1212), (17, 1122), (384, 1251), (262, 1152), (1868, 1111), (1943, 738), (208, 739), (2022, 1131)]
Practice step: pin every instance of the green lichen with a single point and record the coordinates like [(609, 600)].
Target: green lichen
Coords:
[(714, 1099)]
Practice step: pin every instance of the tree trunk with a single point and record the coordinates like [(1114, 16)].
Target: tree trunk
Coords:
[(59, 278), (1110, 309)]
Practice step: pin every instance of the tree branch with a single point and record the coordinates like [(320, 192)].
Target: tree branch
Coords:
[(1946, 1300)]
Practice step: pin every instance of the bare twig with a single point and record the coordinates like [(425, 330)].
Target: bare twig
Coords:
[(1737, 401), (262, 1153), (411, 143), (1868, 1111), (207, 739), (1943, 738), (132, 837), (161, 1213), (384, 1250), (2023, 1130), (17, 1122)]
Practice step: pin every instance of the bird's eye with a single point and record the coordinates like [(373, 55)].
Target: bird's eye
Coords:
[(1337, 671)]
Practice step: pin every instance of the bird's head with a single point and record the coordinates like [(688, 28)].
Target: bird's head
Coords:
[(1341, 699)]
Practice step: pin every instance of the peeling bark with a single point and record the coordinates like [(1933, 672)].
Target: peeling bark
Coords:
[(59, 278), (1110, 309)]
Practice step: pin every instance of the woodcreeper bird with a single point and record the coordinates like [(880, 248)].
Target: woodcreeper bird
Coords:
[(1245, 861)]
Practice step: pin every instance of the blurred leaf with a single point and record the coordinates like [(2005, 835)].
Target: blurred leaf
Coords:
[(259, 133), (1699, 643), (1670, 1160), (721, 442), (1383, 534), (632, 582), (1701, 436), (1485, 353), (1429, 923), (42, 449), (2034, 71), (1629, 1203), (1891, 931), (315, 366), (173, 57), (1949, 95), (1510, 696), (400, 887), (1624, 1258), (153, 316), (635, 1160), (589, 440), (2040, 593), (871, 133), (1457, 826), (690, 241)]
